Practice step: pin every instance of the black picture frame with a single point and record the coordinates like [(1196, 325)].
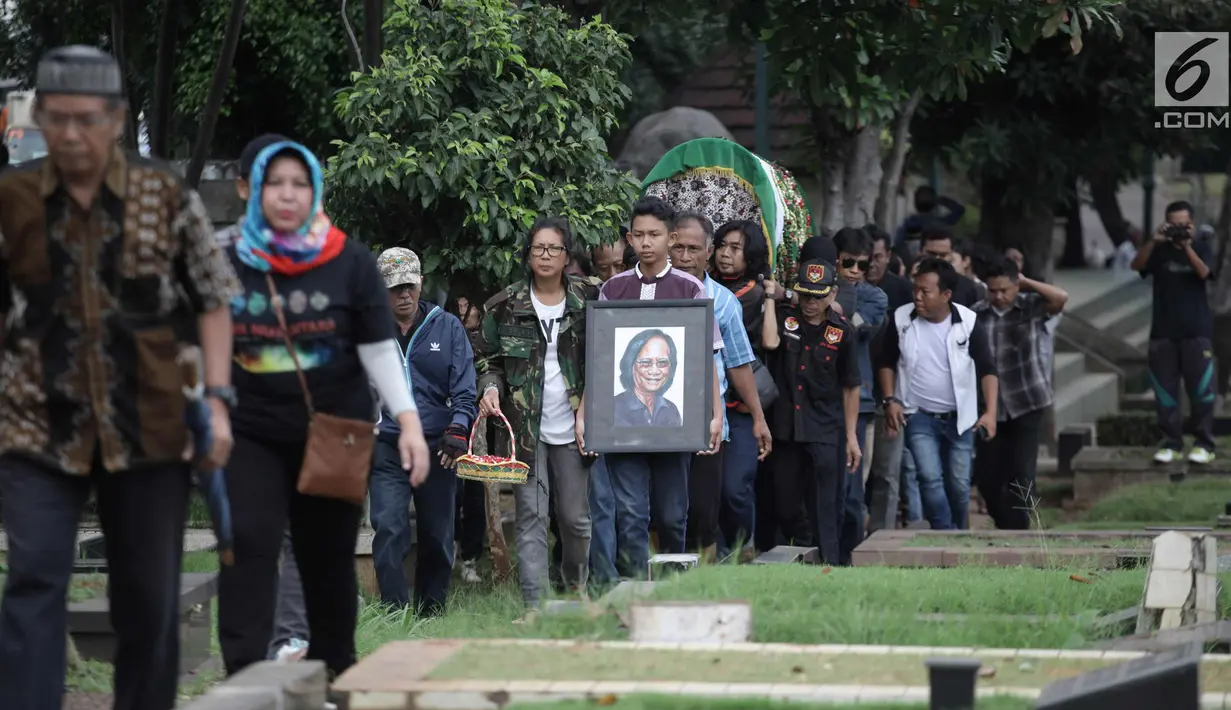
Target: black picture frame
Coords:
[(609, 325)]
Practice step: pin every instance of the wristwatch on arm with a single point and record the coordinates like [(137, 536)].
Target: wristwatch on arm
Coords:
[(885, 401), (226, 395)]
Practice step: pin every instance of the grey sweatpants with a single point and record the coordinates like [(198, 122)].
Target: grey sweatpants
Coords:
[(291, 617), (559, 475), (885, 477)]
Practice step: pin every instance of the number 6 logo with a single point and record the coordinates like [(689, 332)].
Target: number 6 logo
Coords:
[(1183, 64), (1190, 69)]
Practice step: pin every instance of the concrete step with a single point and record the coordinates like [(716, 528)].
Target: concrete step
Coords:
[(1127, 315), (1090, 397), (1068, 368), (1139, 338)]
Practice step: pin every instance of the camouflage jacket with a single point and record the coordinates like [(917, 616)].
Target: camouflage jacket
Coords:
[(510, 348)]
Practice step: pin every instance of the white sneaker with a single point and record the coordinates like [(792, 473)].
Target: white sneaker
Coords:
[(470, 572), (1200, 455), (293, 650), (1166, 456)]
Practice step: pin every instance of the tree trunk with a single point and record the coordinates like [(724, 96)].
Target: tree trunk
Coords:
[(863, 177), (119, 22), (1028, 226), (895, 162), (1220, 296), (217, 92), (1074, 256), (373, 37), (1103, 192), (850, 172), (164, 80)]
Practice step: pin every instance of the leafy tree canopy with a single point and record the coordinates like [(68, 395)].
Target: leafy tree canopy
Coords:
[(859, 59), (1051, 116), (482, 118)]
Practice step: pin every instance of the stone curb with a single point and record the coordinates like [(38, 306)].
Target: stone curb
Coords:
[(1002, 653)]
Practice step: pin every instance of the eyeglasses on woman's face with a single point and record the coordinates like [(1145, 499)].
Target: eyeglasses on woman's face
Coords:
[(552, 250)]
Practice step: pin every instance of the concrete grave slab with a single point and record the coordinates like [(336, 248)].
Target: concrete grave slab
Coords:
[(690, 622), (1046, 549), (627, 592), (788, 554)]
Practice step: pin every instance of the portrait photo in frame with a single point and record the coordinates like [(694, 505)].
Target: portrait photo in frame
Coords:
[(649, 375)]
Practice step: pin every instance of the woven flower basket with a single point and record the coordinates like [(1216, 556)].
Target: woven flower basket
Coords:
[(492, 469)]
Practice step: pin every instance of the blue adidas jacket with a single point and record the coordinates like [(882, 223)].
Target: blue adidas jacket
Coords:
[(439, 364)]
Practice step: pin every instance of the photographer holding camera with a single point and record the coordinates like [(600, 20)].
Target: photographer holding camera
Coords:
[(1181, 332)]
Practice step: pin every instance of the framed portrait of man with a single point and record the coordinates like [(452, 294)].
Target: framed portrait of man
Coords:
[(649, 375)]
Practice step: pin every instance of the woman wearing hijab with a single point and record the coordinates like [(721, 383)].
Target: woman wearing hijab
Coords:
[(339, 321)]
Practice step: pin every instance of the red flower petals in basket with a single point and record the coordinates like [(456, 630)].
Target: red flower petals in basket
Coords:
[(492, 469)]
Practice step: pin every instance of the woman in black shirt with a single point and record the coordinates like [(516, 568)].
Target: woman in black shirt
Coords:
[(340, 323)]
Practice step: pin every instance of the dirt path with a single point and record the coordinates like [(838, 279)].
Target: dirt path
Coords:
[(88, 701)]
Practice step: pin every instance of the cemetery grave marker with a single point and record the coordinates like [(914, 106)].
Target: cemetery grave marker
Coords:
[(1182, 584), (690, 622), (788, 554), (1164, 680)]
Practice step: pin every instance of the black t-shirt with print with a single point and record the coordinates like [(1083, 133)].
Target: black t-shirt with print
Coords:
[(330, 310), (1181, 307)]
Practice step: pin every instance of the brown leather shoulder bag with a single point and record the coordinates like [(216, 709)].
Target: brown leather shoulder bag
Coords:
[(338, 456)]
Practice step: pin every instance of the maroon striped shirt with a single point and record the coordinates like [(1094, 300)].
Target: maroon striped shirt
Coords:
[(668, 284)]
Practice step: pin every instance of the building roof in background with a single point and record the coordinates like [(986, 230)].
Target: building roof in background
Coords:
[(723, 86)]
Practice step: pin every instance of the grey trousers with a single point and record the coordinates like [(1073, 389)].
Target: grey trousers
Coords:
[(559, 476), (885, 477), (291, 617)]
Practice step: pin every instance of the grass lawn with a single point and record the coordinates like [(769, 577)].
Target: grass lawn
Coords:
[(809, 605), (1194, 502), (668, 702), (1198, 499)]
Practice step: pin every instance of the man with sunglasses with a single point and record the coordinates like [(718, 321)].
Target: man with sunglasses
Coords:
[(854, 259)]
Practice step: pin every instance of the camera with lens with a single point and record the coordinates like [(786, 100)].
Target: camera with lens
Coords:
[(1177, 234)]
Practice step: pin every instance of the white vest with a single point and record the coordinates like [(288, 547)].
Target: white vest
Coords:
[(961, 364)]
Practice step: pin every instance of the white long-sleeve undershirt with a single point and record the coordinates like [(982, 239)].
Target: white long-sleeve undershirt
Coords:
[(383, 363)]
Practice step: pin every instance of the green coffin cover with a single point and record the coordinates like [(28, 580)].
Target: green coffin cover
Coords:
[(723, 181)]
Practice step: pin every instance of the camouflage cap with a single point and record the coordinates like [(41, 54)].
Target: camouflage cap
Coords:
[(81, 70), (400, 266)]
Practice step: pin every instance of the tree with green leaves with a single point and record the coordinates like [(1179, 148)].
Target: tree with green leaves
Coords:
[(862, 65), (481, 118), (1027, 135)]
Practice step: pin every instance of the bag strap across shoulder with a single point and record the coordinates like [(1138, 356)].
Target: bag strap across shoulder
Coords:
[(275, 301)]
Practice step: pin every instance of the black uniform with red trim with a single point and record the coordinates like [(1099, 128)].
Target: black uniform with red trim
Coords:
[(812, 365)]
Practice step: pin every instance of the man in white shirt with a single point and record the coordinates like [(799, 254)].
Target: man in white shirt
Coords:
[(935, 362)]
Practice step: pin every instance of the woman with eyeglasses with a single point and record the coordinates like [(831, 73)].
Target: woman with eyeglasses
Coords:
[(530, 353)]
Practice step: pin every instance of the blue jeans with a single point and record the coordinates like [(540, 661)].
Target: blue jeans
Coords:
[(943, 458), (602, 521), (851, 532), (910, 486), (737, 516), (435, 506), (648, 485)]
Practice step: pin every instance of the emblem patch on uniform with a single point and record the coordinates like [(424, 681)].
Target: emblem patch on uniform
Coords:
[(833, 335), (816, 272), (790, 323)]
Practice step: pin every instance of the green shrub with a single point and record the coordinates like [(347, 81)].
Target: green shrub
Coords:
[(1128, 429)]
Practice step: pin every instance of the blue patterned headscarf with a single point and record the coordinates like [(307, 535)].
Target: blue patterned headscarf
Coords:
[(314, 243)]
